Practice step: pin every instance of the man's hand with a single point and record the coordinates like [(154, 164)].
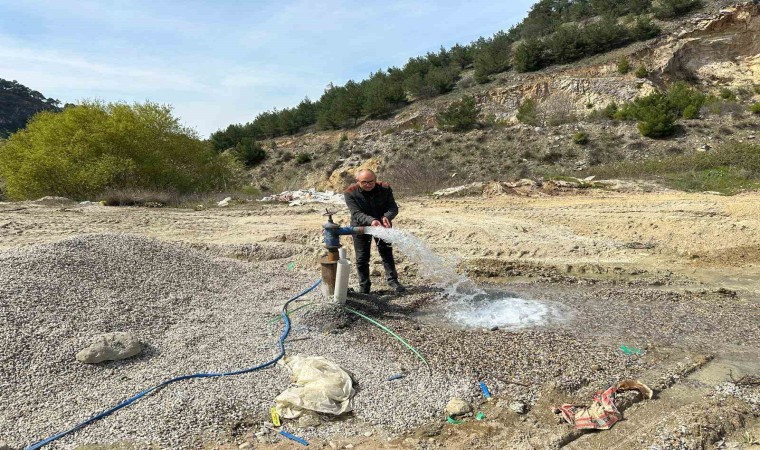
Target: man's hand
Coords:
[(387, 222), (375, 223)]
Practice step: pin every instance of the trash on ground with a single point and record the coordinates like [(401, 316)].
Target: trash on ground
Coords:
[(275, 416), (480, 416), (294, 438), (321, 386), (295, 198), (453, 421), (635, 385), (467, 188), (485, 390), (631, 350), (602, 414), (396, 377)]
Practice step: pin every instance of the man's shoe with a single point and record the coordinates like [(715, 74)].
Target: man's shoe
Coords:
[(398, 287), (364, 289)]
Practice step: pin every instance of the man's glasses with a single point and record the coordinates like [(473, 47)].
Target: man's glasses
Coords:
[(366, 181)]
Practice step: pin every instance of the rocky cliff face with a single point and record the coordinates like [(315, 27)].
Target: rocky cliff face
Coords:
[(716, 48), (722, 50)]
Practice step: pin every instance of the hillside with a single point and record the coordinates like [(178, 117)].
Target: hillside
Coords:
[(18, 104), (716, 50)]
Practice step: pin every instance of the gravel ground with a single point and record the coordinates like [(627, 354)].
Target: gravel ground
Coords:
[(198, 312)]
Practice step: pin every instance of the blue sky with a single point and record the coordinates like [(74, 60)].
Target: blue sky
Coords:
[(224, 62)]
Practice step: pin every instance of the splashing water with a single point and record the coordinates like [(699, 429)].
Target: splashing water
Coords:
[(468, 305), (440, 271)]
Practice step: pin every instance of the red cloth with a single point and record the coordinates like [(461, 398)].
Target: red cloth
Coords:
[(600, 415)]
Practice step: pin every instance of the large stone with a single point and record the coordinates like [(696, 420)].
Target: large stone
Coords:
[(518, 407), (457, 407), (110, 347)]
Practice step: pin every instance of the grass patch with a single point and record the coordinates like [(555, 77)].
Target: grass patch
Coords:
[(731, 169)]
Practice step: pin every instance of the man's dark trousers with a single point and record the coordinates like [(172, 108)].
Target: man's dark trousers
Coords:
[(362, 244)]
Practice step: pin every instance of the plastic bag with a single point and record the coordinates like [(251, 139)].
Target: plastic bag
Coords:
[(321, 386)]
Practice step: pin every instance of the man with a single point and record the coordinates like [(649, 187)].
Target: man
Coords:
[(372, 204)]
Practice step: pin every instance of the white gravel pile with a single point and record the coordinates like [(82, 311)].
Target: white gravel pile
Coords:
[(194, 313)]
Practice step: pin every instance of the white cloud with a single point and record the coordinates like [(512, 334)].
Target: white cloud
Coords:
[(53, 70)]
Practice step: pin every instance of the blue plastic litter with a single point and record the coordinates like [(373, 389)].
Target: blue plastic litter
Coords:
[(485, 390), (294, 438)]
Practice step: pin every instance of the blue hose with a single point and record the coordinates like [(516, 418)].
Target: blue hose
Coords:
[(131, 400)]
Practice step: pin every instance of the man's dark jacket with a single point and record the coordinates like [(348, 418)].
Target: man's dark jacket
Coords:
[(366, 206)]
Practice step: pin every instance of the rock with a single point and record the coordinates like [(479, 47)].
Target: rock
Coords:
[(367, 433), (53, 199), (704, 148), (224, 202), (457, 407), (332, 445), (4, 446), (308, 420), (244, 446), (110, 347), (518, 407), (349, 446)]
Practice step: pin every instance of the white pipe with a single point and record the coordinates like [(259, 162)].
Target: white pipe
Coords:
[(341, 277)]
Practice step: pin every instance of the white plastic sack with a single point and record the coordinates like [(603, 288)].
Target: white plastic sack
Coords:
[(321, 385)]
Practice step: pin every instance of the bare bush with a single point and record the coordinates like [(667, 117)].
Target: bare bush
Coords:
[(557, 109), (415, 177), (139, 197)]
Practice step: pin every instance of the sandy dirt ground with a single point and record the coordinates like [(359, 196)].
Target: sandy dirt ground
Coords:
[(697, 247)]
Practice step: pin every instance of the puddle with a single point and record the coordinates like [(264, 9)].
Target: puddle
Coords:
[(496, 308)]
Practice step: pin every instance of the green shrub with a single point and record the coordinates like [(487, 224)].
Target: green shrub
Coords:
[(655, 115), (756, 88), (608, 112), (527, 112), (86, 149), (623, 65), (641, 72), (657, 112), (580, 138), (461, 115), (755, 108), (657, 122), (303, 158), (250, 152), (727, 94), (685, 101)]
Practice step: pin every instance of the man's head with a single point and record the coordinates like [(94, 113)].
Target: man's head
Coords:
[(366, 179)]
